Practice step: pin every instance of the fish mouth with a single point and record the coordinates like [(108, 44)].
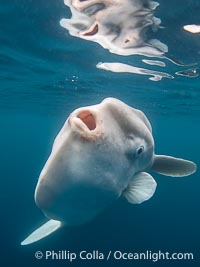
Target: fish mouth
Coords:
[(94, 30), (88, 119), (84, 122), (87, 123)]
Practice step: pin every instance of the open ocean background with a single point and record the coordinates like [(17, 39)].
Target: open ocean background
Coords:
[(45, 74)]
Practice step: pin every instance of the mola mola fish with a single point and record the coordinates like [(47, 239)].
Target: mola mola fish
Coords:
[(103, 152)]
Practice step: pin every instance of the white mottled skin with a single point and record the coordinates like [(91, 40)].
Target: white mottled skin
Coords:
[(89, 169), (102, 152)]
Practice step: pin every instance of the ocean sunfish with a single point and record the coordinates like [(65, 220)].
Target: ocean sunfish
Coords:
[(102, 152)]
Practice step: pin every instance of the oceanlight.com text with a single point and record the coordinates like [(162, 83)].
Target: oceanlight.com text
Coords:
[(116, 255)]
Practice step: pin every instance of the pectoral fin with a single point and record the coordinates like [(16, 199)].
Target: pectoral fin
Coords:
[(43, 231), (171, 166), (140, 189)]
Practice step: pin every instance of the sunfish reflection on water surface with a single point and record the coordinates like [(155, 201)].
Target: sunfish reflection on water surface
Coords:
[(117, 25), (101, 153)]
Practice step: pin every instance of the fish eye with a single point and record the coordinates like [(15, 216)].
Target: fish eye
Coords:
[(140, 150)]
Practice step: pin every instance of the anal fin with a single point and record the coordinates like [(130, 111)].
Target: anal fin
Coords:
[(41, 232)]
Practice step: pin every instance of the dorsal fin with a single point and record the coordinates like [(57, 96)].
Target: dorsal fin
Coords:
[(171, 166)]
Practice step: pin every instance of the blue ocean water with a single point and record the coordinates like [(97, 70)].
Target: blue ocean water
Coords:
[(45, 74)]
